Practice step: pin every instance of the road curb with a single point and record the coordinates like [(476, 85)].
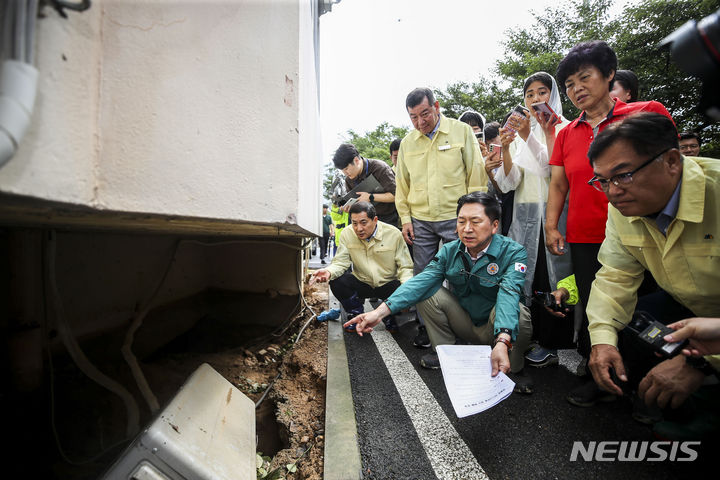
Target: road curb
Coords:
[(342, 454)]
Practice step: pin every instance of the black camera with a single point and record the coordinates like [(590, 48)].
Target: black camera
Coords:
[(651, 333), (548, 299), (694, 48)]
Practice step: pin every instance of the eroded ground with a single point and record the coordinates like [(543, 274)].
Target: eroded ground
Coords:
[(89, 423)]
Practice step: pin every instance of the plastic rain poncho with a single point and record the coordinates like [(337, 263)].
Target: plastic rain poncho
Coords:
[(530, 178)]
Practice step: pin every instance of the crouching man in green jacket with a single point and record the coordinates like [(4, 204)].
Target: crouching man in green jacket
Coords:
[(486, 273)]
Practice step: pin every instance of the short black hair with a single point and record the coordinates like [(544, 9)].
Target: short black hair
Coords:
[(472, 118), (595, 53), (417, 96), (541, 77), (492, 130), (629, 81), (492, 206), (648, 133), (344, 155), (325, 205), (359, 207), (689, 135), (395, 145)]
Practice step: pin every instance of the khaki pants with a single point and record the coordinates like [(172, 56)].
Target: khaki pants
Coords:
[(446, 321)]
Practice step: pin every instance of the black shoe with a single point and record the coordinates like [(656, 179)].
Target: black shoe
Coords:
[(588, 395), (390, 324), (430, 361), (523, 382), (421, 340), (322, 260)]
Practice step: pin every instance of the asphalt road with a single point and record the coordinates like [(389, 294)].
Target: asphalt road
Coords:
[(525, 436)]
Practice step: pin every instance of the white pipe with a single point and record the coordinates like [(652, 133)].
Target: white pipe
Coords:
[(76, 353), (18, 87)]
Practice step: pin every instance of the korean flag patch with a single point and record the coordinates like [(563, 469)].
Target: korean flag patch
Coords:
[(520, 267)]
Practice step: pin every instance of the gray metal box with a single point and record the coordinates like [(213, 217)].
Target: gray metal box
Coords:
[(207, 432)]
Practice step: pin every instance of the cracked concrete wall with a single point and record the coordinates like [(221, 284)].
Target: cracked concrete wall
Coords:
[(193, 109)]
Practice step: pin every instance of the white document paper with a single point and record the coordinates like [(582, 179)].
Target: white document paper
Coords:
[(466, 370)]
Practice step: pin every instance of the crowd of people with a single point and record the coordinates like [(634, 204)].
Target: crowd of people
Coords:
[(535, 232)]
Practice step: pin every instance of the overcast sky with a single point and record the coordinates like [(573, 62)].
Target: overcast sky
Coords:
[(373, 52)]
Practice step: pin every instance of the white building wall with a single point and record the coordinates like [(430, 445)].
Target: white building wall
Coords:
[(182, 109)]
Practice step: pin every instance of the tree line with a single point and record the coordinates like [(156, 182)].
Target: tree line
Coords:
[(634, 35)]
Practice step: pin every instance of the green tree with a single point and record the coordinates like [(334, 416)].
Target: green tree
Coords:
[(376, 143), (660, 79), (328, 177), (373, 144), (633, 34), (484, 96)]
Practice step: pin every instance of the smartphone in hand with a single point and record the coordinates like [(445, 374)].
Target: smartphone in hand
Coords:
[(519, 113), (544, 109)]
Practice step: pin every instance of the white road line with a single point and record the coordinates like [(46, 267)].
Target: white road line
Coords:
[(449, 456)]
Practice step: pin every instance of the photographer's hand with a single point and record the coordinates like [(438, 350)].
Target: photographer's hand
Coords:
[(560, 295), (548, 127), (492, 161), (602, 358), (554, 240), (523, 126), (704, 335)]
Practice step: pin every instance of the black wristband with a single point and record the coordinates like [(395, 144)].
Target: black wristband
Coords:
[(504, 330), (372, 197), (702, 365)]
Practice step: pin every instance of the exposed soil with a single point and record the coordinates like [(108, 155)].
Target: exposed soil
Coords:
[(289, 422)]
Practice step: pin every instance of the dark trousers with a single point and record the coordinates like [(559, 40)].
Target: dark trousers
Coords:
[(348, 285), (506, 214), (585, 266), (323, 245), (549, 331)]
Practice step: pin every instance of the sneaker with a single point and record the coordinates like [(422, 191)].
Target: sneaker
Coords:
[(349, 328), (421, 340), (390, 324), (589, 394), (523, 382), (541, 357), (430, 361)]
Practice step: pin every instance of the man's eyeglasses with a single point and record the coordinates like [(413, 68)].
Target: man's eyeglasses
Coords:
[(687, 148), (621, 179), (425, 114)]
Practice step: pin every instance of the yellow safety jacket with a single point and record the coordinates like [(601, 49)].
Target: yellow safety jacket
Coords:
[(340, 220)]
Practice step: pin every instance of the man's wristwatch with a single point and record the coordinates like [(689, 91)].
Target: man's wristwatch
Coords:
[(504, 340), (702, 365), (372, 197)]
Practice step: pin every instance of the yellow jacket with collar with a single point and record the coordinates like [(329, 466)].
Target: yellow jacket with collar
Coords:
[(432, 174), (686, 263), (382, 259)]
